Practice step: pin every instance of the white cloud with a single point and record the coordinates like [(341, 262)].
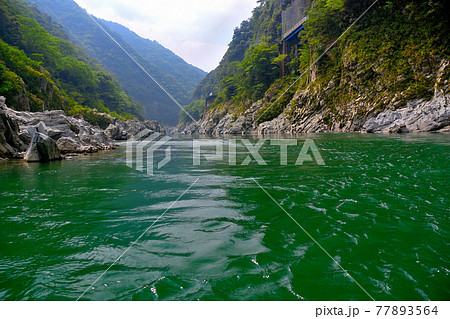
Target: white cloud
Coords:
[(197, 30)]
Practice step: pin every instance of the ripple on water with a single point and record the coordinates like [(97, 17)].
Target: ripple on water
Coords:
[(379, 206)]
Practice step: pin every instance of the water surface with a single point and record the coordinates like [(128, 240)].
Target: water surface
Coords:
[(380, 207)]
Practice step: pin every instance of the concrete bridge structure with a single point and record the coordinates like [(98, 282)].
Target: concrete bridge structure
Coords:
[(293, 20)]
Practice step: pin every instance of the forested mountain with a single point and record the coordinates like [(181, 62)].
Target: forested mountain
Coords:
[(398, 52), (174, 74), (181, 76), (41, 69)]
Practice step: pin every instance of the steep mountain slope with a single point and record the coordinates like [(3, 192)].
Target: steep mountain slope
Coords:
[(179, 74), (392, 63), (264, 27), (163, 65), (41, 70)]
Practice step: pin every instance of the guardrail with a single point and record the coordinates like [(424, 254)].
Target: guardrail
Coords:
[(294, 28)]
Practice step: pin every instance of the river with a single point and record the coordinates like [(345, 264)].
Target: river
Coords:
[(378, 208)]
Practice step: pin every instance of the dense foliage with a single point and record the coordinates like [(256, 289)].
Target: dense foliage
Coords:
[(194, 109), (41, 69), (393, 52), (390, 56), (248, 79)]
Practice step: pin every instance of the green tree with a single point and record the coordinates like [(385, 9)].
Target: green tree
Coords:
[(43, 67), (260, 68)]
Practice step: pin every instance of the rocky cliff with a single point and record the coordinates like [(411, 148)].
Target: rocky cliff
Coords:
[(309, 112), (387, 72)]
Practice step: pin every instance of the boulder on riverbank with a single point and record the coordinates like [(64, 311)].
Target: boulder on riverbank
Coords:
[(71, 135), (10, 143), (83, 137), (428, 116), (124, 130), (42, 149)]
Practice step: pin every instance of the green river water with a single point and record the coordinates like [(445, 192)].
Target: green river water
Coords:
[(379, 207)]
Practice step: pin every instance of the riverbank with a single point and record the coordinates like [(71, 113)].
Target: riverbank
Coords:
[(417, 116), (381, 75), (21, 131)]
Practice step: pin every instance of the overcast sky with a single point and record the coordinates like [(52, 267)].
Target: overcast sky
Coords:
[(197, 30)]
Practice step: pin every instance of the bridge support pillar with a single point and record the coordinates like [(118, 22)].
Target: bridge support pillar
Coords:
[(283, 63)]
